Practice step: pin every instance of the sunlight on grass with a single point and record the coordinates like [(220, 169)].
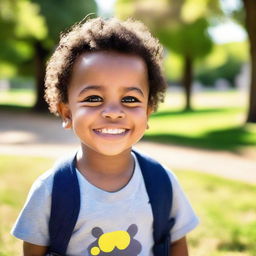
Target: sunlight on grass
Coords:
[(22, 97), (17, 174), (175, 100), (217, 122), (227, 213), (194, 124), (226, 209), (213, 110)]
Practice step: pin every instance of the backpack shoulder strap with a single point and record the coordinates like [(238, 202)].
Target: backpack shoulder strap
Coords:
[(159, 189), (65, 206)]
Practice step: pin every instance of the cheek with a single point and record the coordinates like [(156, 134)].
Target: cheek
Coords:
[(83, 117), (84, 113), (141, 117)]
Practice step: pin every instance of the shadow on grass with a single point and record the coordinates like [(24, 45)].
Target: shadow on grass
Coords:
[(16, 108), (228, 139), (22, 109)]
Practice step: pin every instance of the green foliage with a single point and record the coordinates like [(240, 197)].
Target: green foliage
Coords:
[(172, 66), (7, 69), (229, 70), (22, 22), (235, 53), (58, 19), (221, 52), (189, 39), (7, 18), (27, 12)]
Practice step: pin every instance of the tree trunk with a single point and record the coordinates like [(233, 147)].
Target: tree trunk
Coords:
[(250, 21), (187, 80), (40, 65)]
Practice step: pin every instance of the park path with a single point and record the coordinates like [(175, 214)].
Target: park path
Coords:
[(42, 135)]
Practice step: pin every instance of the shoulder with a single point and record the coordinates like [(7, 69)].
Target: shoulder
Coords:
[(43, 184), (146, 160), (159, 167), (45, 180)]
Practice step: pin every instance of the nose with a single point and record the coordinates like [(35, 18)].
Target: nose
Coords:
[(113, 112)]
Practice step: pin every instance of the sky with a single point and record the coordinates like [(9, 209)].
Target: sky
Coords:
[(224, 33), (228, 32)]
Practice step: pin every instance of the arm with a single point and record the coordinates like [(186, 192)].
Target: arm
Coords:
[(33, 250), (179, 248)]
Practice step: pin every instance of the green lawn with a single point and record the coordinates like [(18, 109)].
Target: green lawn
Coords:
[(227, 209), (17, 97), (217, 122)]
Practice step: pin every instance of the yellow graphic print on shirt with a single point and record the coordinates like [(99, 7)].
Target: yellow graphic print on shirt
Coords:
[(116, 243)]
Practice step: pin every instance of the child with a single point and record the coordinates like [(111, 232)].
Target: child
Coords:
[(104, 80)]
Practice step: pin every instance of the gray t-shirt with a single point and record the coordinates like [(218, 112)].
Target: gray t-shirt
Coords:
[(116, 223)]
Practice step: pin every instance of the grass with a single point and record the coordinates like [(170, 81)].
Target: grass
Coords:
[(227, 209), (217, 122), (16, 176), (227, 213), (17, 97)]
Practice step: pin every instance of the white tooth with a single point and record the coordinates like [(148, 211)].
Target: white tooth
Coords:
[(112, 131)]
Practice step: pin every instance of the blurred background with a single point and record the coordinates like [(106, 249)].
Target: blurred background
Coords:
[(205, 130)]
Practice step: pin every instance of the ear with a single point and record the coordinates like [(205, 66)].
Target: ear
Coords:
[(132, 230), (97, 232), (65, 114)]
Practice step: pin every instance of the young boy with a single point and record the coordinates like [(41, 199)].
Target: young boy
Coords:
[(104, 80)]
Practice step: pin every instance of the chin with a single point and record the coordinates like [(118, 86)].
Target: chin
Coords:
[(112, 150)]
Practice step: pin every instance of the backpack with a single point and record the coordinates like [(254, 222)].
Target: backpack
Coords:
[(66, 204)]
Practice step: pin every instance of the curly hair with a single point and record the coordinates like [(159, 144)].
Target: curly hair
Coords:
[(98, 34)]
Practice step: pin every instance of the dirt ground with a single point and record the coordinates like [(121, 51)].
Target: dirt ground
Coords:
[(42, 135)]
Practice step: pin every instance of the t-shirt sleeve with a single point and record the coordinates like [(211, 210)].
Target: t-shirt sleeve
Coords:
[(182, 211), (32, 223)]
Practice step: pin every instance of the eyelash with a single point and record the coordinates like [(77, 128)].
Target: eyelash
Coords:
[(93, 99), (127, 99), (130, 99)]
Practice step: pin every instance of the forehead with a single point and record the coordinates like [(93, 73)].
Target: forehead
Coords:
[(111, 58), (104, 67)]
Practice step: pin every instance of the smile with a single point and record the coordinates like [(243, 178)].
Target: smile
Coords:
[(110, 131)]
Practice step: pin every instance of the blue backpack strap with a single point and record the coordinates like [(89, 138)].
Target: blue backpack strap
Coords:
[(65, 206), (159, 189)]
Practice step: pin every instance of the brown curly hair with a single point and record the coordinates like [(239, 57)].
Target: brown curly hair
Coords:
[(98, 34)]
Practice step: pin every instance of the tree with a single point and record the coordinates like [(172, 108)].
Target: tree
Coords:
[(191, 41), (245, 15), (56, 20), (31, 29), (250, 24), (181, 26), (16, 32)]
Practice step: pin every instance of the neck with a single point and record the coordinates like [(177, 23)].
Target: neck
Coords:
[(109, 173), (91, 161)]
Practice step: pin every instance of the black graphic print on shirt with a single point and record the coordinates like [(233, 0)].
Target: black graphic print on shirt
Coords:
[(116, 243)]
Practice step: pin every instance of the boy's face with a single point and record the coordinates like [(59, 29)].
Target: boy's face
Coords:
[(107, 101)]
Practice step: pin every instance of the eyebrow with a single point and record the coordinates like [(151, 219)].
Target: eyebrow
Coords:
[(128, 89), (90, 87), (98, 87)]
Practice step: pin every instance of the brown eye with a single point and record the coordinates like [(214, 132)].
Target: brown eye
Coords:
[(130, 99), (93, 98)]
